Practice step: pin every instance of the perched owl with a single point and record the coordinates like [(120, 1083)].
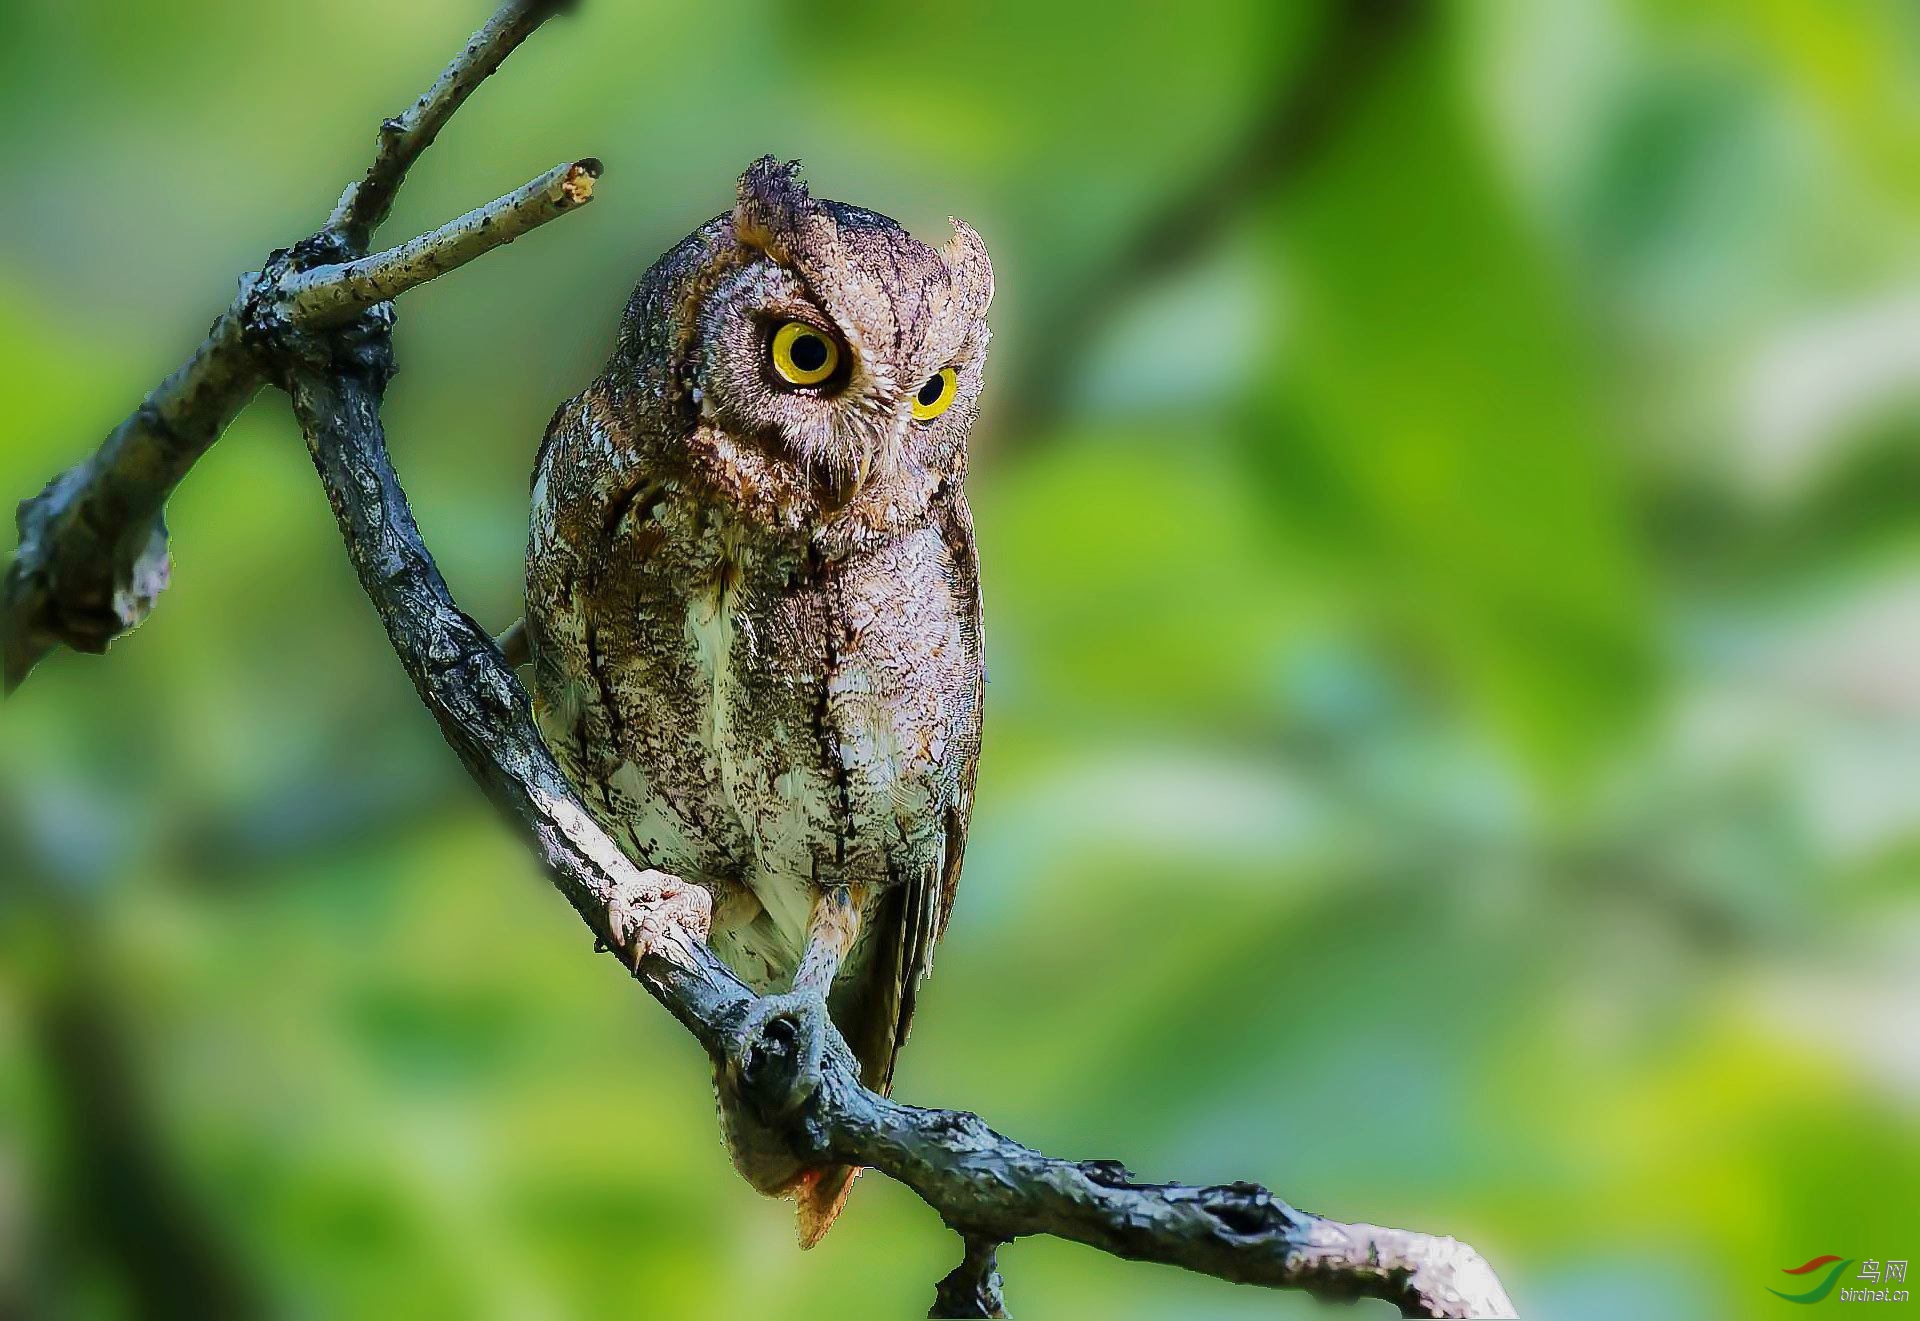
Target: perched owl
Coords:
[(753, 603)]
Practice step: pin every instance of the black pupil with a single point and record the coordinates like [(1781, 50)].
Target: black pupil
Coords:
[(930, 392), (809, 352)]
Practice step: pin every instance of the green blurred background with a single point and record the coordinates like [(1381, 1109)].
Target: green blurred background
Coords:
[(1454, 629)]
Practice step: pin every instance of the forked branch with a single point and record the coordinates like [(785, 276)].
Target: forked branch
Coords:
[(366, 203), (92, 554), (326, 295)]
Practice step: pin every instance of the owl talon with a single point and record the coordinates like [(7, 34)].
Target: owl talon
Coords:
[(655, 913), (781, 1045)]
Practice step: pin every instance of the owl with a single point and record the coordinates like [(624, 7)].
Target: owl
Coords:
[(753, 605)]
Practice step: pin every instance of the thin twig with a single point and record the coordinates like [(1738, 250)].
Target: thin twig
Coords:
[(326, 295), (973, 1288), (991, 1188), (515, 647), (366, 203)]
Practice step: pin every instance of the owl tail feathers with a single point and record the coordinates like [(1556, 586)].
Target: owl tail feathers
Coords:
[(818, 1196)]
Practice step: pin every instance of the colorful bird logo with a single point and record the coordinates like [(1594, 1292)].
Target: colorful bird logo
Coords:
[(1820, 1290)]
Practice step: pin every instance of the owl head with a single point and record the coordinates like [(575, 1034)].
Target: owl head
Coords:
[(816, 347)]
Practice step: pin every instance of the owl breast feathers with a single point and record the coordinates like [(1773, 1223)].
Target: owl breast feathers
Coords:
[(753, 598)]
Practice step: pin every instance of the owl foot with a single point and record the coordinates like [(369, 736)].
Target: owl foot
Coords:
[(772, 1066), (778, 1052), (654, 912)]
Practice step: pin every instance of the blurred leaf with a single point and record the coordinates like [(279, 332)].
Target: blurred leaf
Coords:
[(1437, 409)]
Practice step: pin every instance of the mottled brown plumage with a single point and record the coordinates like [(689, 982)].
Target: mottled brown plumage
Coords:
[(754, 605)]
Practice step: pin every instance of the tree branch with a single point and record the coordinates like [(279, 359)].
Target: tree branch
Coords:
[(92, 555), (329, 294), (988, 1187)]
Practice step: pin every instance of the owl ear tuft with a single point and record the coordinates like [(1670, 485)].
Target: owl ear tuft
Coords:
[(972, 270), (772, 199)]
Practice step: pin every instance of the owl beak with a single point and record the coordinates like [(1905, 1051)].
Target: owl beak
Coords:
[(871, 454), (854, 481)]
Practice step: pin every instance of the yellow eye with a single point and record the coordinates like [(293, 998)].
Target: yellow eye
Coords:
[(936, 396), (803, 355)]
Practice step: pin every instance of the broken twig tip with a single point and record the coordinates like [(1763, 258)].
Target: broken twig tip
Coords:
[(577, 185)]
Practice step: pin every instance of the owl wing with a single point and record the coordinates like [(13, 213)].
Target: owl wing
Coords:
[(583, 472), (912, 916), (956, 525)]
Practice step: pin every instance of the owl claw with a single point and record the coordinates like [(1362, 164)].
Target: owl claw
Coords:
[(782, 1043), (772, 1065), (655, 913)]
